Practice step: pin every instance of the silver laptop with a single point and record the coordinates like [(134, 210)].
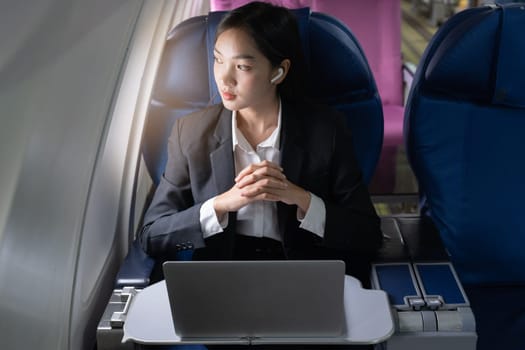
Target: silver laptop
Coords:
[(232, 299)]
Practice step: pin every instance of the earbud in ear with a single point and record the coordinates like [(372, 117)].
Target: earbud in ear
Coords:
[(279, 74)]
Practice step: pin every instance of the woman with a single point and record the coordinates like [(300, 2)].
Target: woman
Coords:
[(265, 174)]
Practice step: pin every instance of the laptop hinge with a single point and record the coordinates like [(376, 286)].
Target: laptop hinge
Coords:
[(251, 338)]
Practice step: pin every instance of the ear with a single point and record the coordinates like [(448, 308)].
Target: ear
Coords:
[(280, 72)]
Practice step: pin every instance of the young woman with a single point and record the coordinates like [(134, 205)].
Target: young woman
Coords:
[(265, 174)]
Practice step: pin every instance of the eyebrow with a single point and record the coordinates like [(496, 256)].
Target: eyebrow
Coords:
[(239, 56)]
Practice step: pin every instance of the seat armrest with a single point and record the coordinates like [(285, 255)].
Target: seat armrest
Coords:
[(136, 269), (422, 239)]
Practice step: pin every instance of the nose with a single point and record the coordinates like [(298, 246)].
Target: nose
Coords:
[(224, 76)]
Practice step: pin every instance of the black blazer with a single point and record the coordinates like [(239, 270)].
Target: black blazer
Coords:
[(316, 154)]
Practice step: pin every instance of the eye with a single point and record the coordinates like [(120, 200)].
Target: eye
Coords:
[(243, 67), (217, 60)]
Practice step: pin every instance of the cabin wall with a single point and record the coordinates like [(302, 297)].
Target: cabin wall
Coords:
[(75, 79)]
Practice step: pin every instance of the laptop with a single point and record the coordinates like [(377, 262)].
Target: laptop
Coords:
[(256, 299)]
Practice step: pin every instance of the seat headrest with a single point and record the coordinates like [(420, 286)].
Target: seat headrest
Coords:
[(484, 55), (326, 42), (333, 46), (182, 87)]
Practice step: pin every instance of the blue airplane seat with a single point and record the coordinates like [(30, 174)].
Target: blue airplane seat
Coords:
[(338, 75), (464, 127)]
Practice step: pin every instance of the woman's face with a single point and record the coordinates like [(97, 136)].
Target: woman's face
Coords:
[(242, 72)]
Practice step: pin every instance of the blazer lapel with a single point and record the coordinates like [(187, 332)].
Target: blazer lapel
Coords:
[(292, 155), (223, 167), (221, 159)]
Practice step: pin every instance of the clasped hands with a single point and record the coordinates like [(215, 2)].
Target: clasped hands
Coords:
[(261, 181)]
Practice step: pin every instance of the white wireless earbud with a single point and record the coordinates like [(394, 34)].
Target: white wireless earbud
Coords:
[(279, 74)]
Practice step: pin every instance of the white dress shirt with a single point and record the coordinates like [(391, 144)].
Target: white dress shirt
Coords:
[(259, 219)]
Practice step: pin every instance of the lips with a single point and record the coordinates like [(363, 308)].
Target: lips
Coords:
[(227, 96)]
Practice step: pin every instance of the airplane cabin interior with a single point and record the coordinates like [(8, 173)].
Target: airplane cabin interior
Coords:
[(432, 91)]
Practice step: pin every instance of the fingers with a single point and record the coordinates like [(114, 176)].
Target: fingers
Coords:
[(254, 193), (267, 184), (258, 181), (264, 181), (264, 167), (230, 201), (258, 171), (268, 191)]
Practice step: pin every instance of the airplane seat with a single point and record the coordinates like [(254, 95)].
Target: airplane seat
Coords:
[(377, 26), (185, 84), (464, 125)]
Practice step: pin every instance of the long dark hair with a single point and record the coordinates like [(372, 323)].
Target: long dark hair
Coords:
[(275, 32)]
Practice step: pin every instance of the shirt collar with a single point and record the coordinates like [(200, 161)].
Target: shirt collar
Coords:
[(238, 138)]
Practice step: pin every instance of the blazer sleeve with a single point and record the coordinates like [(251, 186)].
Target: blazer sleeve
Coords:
[(171, 223), (351, 221)]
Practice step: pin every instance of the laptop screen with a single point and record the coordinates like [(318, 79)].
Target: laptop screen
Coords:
[(256, 298)]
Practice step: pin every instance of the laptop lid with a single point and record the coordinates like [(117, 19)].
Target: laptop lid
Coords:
[(256, 298)]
